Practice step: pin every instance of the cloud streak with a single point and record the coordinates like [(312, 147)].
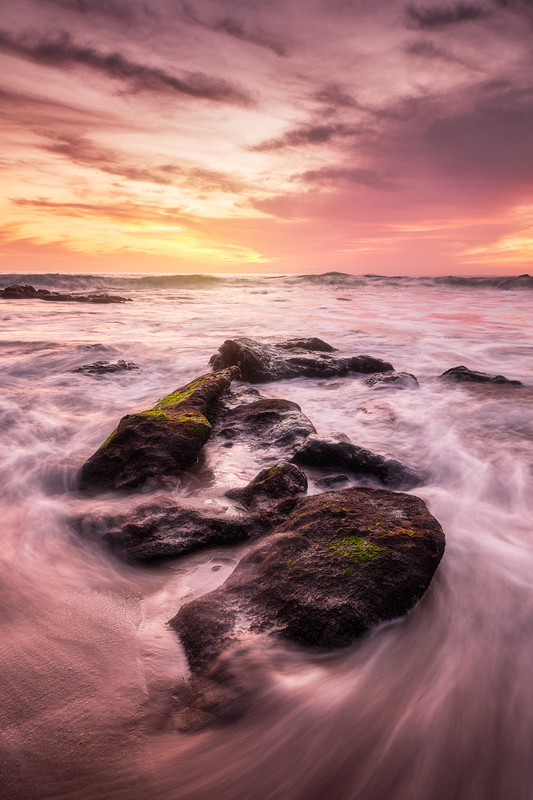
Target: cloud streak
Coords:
[(62, 51), (444, 15), (308, 135), (234, 28)]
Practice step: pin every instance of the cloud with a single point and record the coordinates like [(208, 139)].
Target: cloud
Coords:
[(118, 212), (32, 111), (425, 48), (232, 27), (440, 16), (81, 150), (62, 52), (120, 9), (338, 175), (305, 136), (333, 95), (489, 140)]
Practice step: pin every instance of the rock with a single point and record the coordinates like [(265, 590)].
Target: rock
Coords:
[(342, 563), (155, 532), (159, 531), (102, 367), (464, 375), (263, 422), (394, 380), (377, 412), (163, 441), (27, 292), (273, 484), (331, 480), (313, 344), (339, 452), (260, 363)]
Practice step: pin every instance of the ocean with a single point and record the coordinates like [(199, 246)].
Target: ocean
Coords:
[(434, 706)]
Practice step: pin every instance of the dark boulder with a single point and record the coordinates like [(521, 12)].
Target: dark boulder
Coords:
[(464, 375), (154, 532), (27, 292), (103, 367), (338, 452), (394, 380), (160, 442), (313, 344), (271, 485), (262, 422), (342, 563), (331, 480), (260, 363)]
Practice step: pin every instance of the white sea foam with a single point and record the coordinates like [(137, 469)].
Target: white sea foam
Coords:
[(435, 706)]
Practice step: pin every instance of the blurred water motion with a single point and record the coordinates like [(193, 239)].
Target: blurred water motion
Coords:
[(433, 707)]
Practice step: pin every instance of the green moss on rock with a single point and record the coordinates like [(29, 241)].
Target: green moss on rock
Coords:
[(355, 549)]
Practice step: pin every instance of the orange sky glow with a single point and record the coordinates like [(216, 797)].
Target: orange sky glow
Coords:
[(295, 136)]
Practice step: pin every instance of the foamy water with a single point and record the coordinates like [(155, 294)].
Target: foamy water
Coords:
[(435, 706)]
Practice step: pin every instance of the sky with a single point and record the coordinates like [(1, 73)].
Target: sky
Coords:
[(364, 136)]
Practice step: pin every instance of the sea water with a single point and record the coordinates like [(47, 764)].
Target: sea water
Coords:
[(435, 706)]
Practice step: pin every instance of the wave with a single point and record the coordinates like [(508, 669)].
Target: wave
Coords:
[(141, 282), (343, 279)]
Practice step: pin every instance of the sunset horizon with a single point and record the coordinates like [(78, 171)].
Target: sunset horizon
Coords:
[(391, 138)]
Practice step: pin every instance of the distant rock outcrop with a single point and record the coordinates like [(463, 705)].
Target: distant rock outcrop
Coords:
[(394, 380), (311, 358), (464, 375), (27, 292), (103, 367)]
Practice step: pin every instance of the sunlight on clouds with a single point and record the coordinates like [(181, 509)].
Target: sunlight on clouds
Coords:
[(508, 250)]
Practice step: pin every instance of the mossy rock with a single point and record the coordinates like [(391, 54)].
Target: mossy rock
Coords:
[(160, 442), (340, 564)]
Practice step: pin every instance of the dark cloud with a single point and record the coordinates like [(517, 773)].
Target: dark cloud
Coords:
[(335, 175), (81, 150), (29, 110), (488, 141), (238, 30), (120, 9), (440, 16), (425, 48), (333, 95), (63, 52), (305, 136)]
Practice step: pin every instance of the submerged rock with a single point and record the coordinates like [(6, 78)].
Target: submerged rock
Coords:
[(260, 363), (331, 480), (154, 532), (339, 452), (395, 380), (163, 441), (27, 292), (273, 484), (102, 367), (340, 564), (464, 375), (377, 412), (262, 421)]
